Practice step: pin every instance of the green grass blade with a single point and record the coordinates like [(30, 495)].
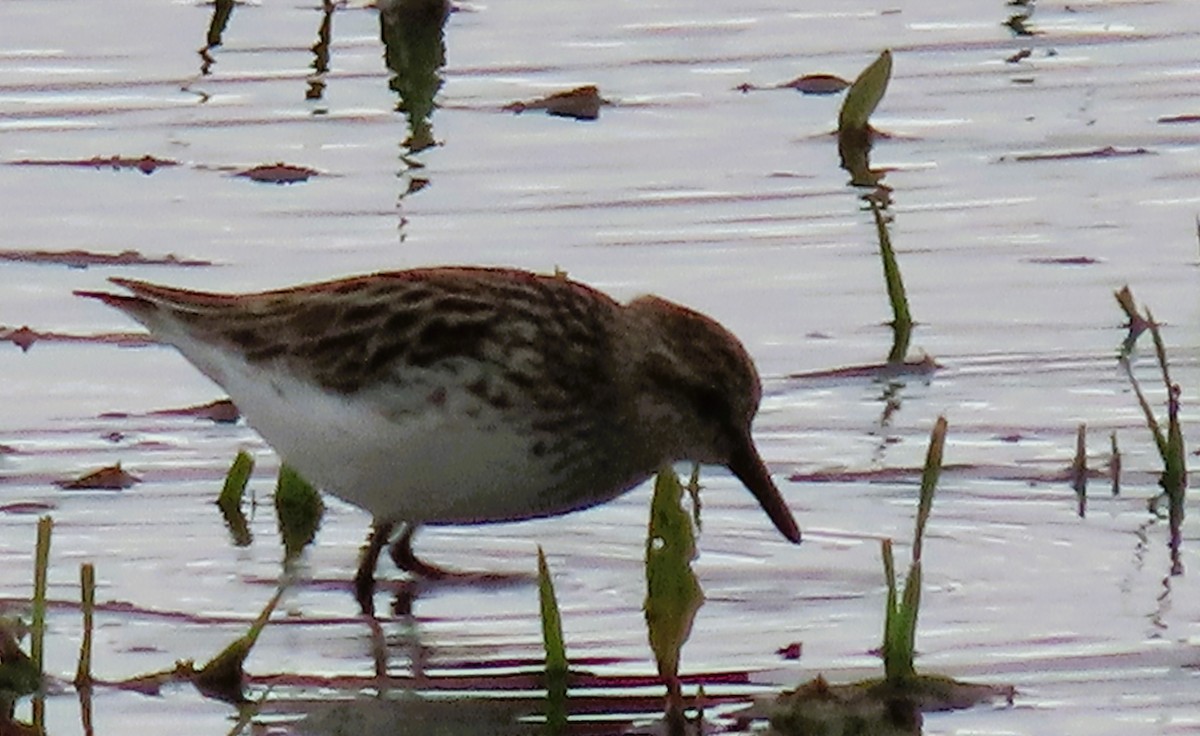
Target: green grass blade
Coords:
[(230, 500), (1137, 323), (1114, 463), (673, 594), (929, 480), (902, 323), (87, 603), (1174, 476), (889, 575), (236, 480), (865, 93), (552, 634), (556, 650), (223, 674), (1160, 440), (41, 568), (299, 508)]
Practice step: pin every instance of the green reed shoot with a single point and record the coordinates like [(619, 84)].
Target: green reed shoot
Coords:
[(673, 593), (556, 650), (1170, 444), (87, 604), (230, 500), (1114, 464), (299, 508), (41, 566), (235, 481), (900, 622), (222, 675), (854, 133), (865, 94), (902, 323), (1079, 469)]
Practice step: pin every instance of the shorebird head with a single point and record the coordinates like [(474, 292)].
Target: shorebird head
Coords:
[(698, 384)]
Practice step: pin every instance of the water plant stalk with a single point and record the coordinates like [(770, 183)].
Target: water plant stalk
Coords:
[(222, 675), (41, 567), (673, 593), (87, 603), (1079, 469), (902, 323), (1170, 444), (556, 650), (299, 509), (900, 620), (1114, 464)]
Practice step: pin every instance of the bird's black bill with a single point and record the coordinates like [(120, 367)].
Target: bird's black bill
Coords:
[(750, 470)]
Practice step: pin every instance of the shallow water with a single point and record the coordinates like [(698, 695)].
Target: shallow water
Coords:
[(730, 202)]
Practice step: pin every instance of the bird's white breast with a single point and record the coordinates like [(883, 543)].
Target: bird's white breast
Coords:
[(434, 453)]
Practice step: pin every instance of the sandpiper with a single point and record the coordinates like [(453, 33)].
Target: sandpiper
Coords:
[(461, 395)]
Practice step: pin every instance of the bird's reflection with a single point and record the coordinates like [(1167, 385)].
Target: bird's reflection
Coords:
[(222, 9), (320, 63), (415, 52)]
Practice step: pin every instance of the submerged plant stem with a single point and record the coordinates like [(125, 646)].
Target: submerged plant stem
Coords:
[(40, 568), (87, 603), (556, 650), (902, 322)]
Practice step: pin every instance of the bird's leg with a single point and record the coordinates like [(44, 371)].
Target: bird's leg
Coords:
[(364, 579), (402, 554)]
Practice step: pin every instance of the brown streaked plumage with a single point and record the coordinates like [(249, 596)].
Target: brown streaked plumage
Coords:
[(469, 395)]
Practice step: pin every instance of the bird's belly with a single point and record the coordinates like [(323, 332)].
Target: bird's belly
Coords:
[(436, 462)]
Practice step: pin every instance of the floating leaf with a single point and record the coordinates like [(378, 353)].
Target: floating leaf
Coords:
[(278, 173), (817, 84), (112, 478), (146, 164), (581, 103), (221, 411)]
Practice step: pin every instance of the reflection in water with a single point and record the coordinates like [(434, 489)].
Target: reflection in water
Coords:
[(1018, 22), (854, 150), (222, 9), (320, 64), (415, 52)]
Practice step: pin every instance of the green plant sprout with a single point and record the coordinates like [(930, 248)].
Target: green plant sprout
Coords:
[(230, 500), (557, 667), (854, 130), (87, 605), (902, 322), (1173, 479), (299, 508), (892, 705), (673, 593), (1079, 470)]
